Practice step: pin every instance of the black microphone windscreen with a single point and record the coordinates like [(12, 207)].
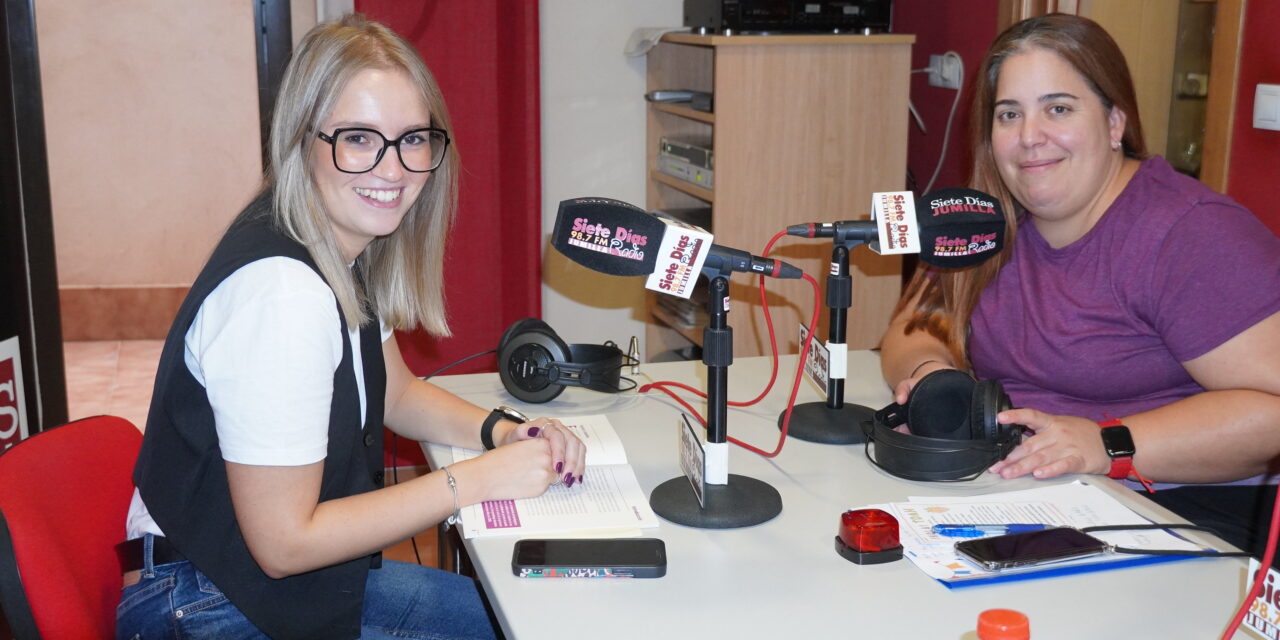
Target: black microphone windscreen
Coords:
[(959, 227), (609, 236)]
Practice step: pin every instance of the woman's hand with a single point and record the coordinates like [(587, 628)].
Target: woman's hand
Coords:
[(1060, 444), (568, 453)]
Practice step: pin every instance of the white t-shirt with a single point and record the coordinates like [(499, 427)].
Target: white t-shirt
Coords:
[(265, 346)]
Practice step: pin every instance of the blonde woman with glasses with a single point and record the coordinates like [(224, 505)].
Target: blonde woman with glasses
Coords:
[(260, 507)]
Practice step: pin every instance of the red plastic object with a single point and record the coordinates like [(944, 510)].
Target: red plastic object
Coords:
[(1003, 624), (868, 536)]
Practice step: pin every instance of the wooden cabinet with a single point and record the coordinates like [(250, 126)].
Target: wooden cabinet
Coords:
[(804, 128)]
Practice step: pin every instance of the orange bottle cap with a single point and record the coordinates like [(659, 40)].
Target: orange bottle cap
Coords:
[(1003, 624)]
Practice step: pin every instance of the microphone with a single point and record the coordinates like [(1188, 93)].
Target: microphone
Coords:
[(844, 231), (726, 260), (957, 227), (621, 239)]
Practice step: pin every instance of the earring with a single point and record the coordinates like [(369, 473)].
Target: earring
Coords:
[(1115, 145)]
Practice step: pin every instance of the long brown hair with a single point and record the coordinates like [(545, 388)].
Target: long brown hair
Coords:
[(947, 297)]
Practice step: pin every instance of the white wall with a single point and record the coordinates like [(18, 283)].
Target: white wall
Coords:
[(593, 122)]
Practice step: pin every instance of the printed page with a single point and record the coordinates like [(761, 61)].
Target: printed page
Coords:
[(1075, 504), (608, 499)]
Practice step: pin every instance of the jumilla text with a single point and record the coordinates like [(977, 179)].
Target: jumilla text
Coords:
[(970, 204), (679, 270), (977, 238), (620, 234)]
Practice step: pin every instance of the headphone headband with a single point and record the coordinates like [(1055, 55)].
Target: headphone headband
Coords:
[(955, 435), (535, 365)]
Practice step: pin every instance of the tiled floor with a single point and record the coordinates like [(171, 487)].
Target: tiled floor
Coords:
[(115, 378), (111, 377)]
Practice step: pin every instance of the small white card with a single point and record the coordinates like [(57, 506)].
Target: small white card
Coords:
[(1264, 611), (895, 215), (692, 459), (681, 253), (817, 363)]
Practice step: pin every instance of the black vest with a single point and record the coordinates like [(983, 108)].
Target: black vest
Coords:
[(183, 480)]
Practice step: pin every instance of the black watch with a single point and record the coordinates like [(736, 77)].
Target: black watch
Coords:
[(499, 413)]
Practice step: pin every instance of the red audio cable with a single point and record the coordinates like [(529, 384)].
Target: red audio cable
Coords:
[(1267, 557), (665, 385)]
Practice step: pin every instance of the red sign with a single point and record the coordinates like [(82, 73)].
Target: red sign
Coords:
[(13, 425)]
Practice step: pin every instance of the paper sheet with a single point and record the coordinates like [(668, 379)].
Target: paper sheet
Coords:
[(608, 500), (1074, 504)]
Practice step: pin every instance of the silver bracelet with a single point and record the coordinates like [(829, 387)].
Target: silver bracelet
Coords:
[(456, 517)]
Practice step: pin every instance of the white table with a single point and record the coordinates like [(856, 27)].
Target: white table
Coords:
[(783, 578)]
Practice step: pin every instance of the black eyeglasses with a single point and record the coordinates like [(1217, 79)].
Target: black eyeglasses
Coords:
[(358, 150)]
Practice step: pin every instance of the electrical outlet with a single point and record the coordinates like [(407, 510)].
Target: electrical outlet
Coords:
[(944, 71)]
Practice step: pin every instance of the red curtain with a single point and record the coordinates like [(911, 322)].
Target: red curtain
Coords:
[(484, 54)]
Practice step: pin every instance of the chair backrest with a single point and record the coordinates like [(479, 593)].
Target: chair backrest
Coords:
[(64, 497)]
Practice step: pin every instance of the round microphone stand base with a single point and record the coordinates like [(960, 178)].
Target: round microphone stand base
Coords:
[(816, 422), (741, 503)]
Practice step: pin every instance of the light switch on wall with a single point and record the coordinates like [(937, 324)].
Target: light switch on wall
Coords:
[(1266, 107)]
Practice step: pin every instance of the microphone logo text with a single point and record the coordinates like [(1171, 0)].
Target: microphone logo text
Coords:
[(620, 241), (968, 204)]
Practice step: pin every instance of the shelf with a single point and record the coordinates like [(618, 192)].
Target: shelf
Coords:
[(788, 39), (804, 126), (682, 186), (692, 334), (685, 112)]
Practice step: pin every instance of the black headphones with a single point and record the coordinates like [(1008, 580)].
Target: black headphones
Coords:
[(954, 433), (535, 365)]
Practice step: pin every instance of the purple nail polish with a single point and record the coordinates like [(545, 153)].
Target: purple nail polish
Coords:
[(534, 431), (559, 467), (568, 479), (579, 479)]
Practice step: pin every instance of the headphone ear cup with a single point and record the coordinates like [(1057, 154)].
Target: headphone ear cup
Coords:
[(989, 399), (939, 405), (527, 352), (516, 328)]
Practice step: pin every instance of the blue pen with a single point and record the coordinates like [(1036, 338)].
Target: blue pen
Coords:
[(979, 530)]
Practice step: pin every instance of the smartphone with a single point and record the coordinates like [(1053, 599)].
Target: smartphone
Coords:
[(1030, 548), (590, 558)]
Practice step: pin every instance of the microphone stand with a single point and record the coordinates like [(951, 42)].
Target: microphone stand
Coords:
[(833, 421), (743, 501)]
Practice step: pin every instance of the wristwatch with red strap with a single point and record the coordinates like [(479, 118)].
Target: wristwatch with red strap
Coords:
[(1118, 443)]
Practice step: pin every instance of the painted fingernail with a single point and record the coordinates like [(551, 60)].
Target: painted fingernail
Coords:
[(534, 431), (559, 467), (579, 479), (568, 479)]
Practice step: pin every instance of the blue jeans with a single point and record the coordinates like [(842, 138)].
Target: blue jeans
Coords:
[(401, 600)]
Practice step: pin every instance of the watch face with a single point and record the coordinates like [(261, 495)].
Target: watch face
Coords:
[(512, 414), (1118, 442)]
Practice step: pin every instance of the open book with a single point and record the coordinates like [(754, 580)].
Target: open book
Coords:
[(1073, 504), (609, 501)]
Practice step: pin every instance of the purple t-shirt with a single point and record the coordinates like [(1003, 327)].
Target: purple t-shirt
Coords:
[(1100, 327)]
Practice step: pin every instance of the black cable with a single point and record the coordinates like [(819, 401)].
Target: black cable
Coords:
[(1183, 552), (456, 363), (1167, 552)]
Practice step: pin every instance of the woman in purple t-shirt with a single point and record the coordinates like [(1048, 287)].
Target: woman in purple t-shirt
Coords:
[(1131, 295)]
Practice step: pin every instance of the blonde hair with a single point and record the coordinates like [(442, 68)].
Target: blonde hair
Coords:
[(403, 272), (947, 297)]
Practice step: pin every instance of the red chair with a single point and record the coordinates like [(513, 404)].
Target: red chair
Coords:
[(64, 496)]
